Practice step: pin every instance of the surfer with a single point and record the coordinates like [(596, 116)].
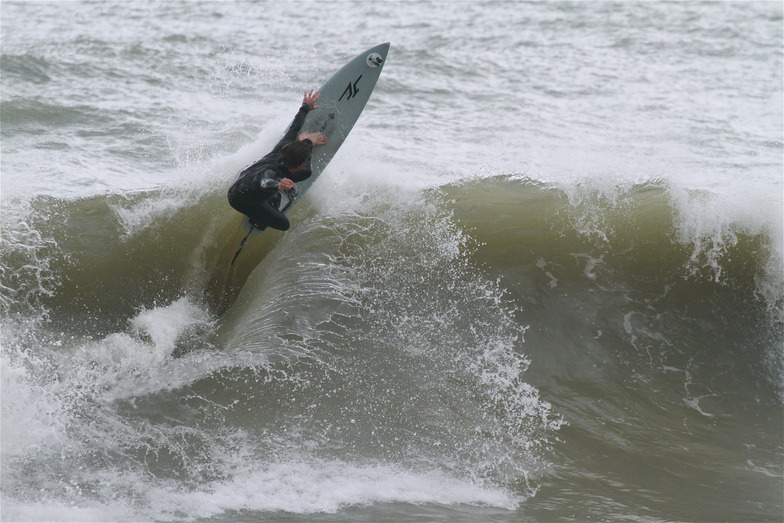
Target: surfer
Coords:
[(257, 191)]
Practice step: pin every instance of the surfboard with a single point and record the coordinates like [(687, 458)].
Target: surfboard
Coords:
[(343, 98)]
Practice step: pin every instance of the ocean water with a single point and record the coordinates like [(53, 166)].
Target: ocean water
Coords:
[(543, 280)]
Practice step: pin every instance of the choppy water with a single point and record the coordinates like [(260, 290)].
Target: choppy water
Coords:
[(541, 281)]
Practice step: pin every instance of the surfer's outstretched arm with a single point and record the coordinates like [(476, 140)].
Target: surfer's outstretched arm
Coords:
[(308, 104), (310, 100)]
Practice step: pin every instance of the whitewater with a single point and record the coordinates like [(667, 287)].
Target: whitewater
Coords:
[(543, 278)]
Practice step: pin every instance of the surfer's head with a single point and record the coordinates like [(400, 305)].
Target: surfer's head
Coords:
[(296, 154)]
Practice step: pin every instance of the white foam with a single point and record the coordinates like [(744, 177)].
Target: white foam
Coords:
[(710, 221), (309, 487), (139, 361), (48, 510), (32, 414), (149, 212), (295, 487), (41, 391)]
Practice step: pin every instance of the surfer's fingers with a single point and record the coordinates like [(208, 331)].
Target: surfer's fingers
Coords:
[(311, 97)]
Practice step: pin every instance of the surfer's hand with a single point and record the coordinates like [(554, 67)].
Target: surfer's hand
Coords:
[(316, 138), (311, 98), (286, 185)]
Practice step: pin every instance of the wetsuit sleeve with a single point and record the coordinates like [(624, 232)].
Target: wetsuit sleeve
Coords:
[(269, 181), (294, 128)]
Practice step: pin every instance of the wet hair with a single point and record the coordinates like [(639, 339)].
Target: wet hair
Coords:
[(295, 154)]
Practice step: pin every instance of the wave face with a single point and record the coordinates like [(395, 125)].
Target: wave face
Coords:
[(415, 341), (564, 306)]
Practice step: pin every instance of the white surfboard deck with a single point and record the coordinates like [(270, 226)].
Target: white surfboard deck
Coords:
[(343, 97)]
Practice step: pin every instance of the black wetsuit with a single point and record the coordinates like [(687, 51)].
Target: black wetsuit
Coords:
[(255, 193)]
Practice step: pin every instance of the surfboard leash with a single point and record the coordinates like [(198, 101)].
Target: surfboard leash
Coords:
[(242, 244)]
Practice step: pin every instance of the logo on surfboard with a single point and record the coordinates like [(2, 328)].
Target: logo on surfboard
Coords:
[(326, 123), (351, 90), (374, 60)]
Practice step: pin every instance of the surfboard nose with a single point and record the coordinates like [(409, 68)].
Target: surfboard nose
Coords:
[(381, 49), (376, 55)]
